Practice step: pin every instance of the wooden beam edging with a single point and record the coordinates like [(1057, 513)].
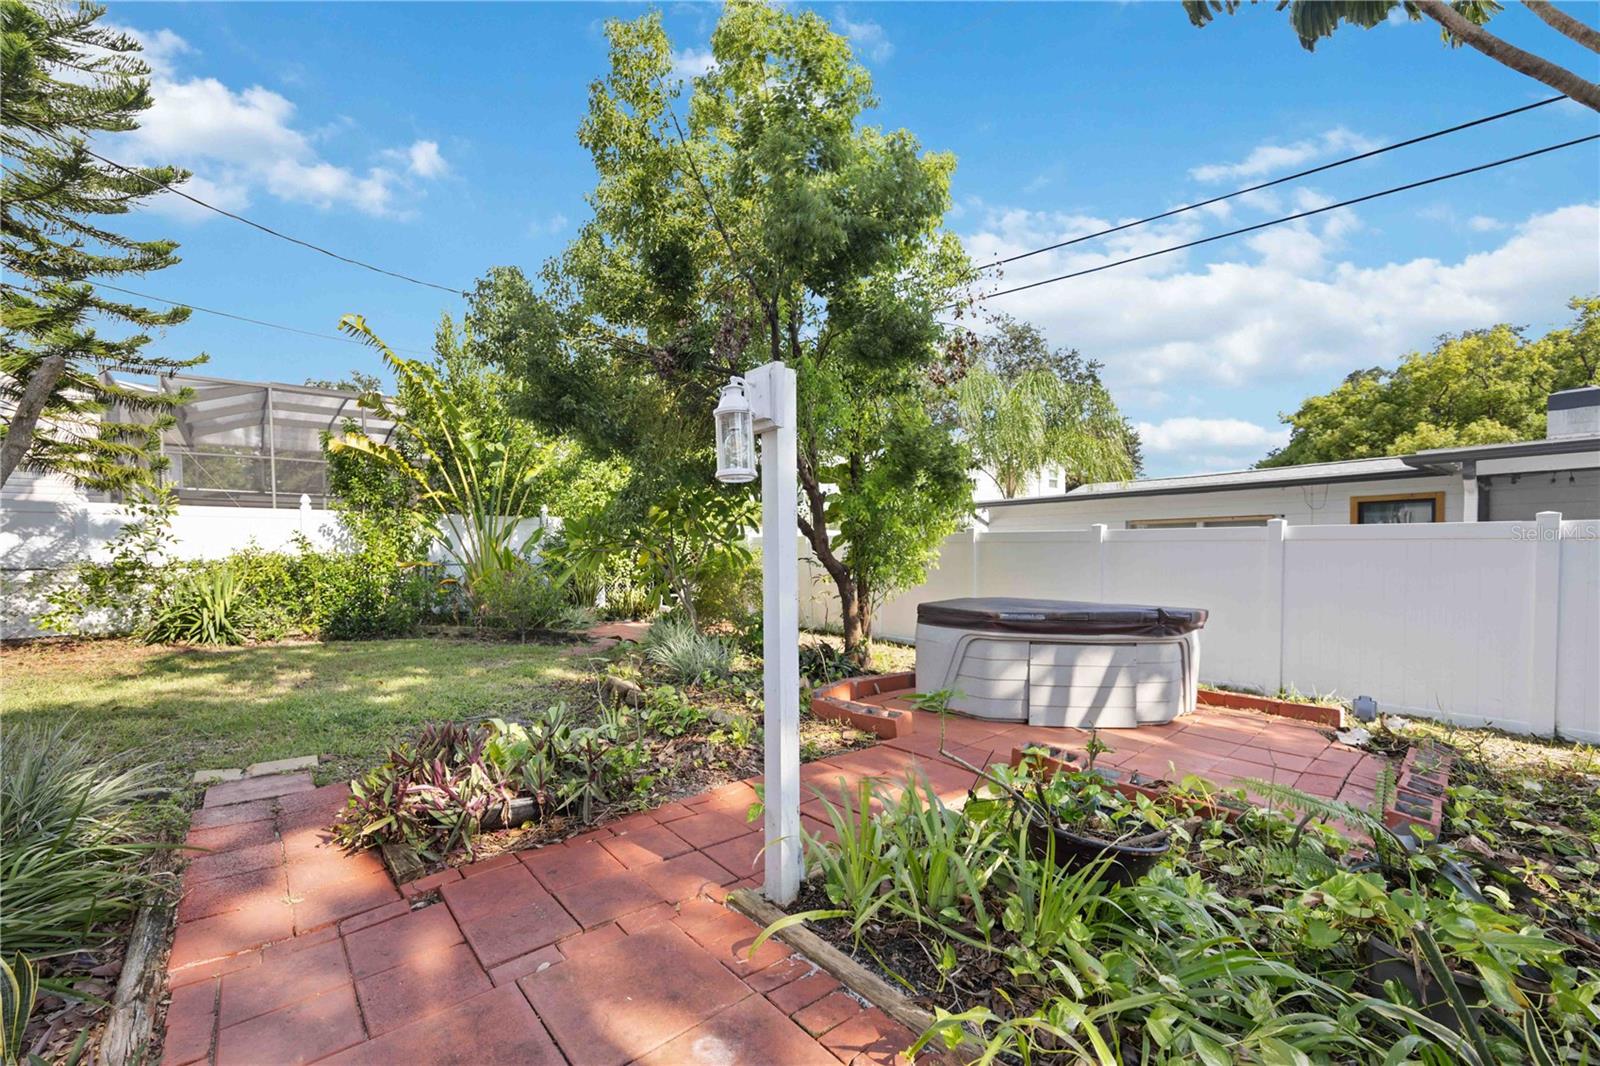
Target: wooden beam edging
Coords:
[(850, 973), (131, 1023)]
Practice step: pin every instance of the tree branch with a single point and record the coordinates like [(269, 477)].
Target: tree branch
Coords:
[(1564, 23), (1558, 78)]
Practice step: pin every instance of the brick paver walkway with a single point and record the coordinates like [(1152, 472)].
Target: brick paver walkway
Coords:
[(611, 948)]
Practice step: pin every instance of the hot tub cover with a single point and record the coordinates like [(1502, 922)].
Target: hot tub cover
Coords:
[(1017, 615)]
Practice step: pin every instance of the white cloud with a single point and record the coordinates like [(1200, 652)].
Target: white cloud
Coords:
[(1210, 443), (425, 161), (239, 142), (692, 62), (555, 223), (868, 37), (1267, 158), (1278, 310), (1484, 224)]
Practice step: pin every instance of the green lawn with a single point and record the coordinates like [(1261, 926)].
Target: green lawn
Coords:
[(189, 709)]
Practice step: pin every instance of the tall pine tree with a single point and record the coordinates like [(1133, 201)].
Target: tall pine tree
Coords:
[(66, 79)]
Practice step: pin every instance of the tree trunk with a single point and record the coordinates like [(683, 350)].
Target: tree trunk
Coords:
[(1564, 23), (30, 406), (814, 527), (1558, 78), (861, 623)]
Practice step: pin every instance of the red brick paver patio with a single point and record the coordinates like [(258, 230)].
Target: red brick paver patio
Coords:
[(611, 948)]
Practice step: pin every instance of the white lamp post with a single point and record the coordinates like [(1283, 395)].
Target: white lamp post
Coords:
[(762, 404)]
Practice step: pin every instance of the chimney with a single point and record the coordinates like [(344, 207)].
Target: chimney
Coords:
[(1573, 412)]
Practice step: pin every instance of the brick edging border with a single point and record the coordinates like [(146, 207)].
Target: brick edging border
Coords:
[(841, 702), (1315, 713)]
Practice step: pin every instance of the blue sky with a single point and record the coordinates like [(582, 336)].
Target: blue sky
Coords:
[(438, 140)]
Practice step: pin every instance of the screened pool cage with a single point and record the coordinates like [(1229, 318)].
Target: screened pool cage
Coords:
[(252, 443)]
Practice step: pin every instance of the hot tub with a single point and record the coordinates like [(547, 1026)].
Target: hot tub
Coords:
[(1061, 662)]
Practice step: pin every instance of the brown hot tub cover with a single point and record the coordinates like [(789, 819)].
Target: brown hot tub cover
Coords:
[(1011, 614)]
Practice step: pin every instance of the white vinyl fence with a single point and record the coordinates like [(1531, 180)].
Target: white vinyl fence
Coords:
[(1479, 623)]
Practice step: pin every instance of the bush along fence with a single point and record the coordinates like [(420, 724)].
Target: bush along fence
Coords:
[(1479, 623)]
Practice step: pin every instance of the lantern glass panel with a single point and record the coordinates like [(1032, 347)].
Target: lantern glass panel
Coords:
[(736, 460)]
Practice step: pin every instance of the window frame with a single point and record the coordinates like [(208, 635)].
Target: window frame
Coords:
[(1435, 498), (1198, 521)]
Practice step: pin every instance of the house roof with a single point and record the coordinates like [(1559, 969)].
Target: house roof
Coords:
[(1587, 442), (1313, 473), (1429, 463)]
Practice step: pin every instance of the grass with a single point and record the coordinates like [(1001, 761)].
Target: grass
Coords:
[(182, 710)]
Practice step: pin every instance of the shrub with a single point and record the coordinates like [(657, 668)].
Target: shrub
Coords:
[(70, 865), (821, 663), (687, 654), (203, 608), (525, 599), (432, 794), (114, 597), (729, 589)]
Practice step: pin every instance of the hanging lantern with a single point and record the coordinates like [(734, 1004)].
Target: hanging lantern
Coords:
[(736, 440)]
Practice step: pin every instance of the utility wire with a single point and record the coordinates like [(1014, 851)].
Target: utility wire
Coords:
[(236, 217), (243, 318), (1288, 218), (1275, 181)]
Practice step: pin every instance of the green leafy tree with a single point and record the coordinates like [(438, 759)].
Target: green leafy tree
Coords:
[(1460, 22), (1480, 387), (676, 543), (473, 469), (764, 222), (66, 78), (1026, 406)]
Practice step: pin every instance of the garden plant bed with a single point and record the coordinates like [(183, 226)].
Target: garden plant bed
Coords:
[(1020, 954)]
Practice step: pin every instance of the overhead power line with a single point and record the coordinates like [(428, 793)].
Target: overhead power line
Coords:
[(244, 318), (1290, 218), (1275, 181), (174, 190)]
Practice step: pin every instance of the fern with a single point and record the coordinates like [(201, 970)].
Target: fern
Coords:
[(1317, 807)]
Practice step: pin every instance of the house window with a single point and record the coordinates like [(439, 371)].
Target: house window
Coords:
[(1053, 479), (1203, 523), (1404, 507)]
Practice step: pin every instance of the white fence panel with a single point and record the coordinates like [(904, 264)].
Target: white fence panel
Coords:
[(1222, 570), (1480, 623), (1059, 565), (1429, 619), (1578, 648)]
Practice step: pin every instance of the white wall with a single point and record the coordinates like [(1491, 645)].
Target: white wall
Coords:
[(1299, 504), (44, 528), (1481, 623)]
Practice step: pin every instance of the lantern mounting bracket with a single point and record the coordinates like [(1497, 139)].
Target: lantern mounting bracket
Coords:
[(764, 389)]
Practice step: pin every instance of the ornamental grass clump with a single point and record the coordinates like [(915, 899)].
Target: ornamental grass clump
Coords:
[(688, 655), (71, 864)]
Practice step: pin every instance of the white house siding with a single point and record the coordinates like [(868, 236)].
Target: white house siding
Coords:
[(1297, 504), (1575, 493)]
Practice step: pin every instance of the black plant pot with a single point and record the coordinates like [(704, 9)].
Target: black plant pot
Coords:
[(1128, 862), (1385, 963)]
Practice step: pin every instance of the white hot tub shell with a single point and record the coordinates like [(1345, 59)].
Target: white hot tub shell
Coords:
[(1061, 663)]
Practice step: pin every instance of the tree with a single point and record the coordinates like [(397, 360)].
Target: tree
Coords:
[(1017, 427), (1480, 387), (474, 469), (1460, 22), (1026, 406), (64, 78), (767, 223)]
